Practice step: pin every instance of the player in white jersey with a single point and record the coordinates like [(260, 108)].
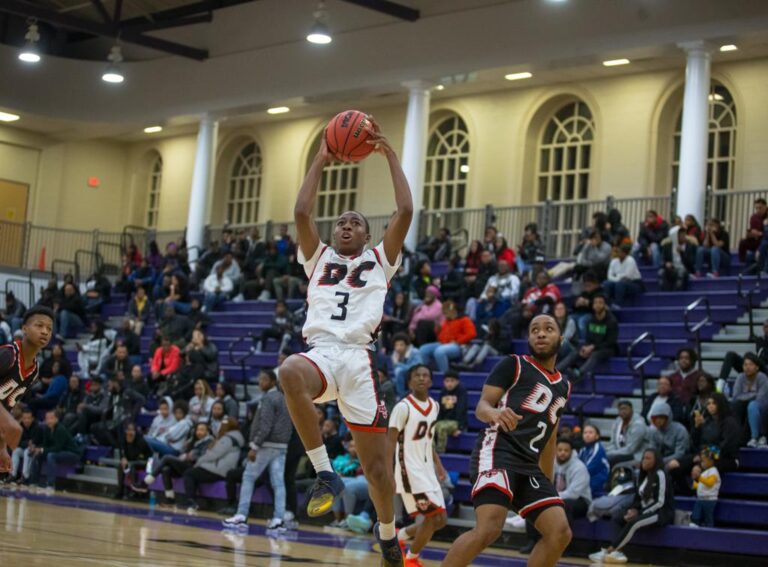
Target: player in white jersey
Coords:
[(347, 287), (418, 470)]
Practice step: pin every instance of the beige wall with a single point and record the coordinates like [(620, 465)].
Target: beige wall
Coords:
[(634, 119)]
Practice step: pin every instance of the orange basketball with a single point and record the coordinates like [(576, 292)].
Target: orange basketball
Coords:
[(346, 135)]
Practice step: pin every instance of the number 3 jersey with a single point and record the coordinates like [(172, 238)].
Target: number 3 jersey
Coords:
[(534, 393), (345, 295), (414, 460)]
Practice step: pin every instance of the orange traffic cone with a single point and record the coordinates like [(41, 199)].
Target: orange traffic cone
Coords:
[(41, 263)]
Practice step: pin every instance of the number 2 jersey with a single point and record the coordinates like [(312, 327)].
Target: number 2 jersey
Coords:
[(414, 457), (534, 393), (14, 380), (346, 295)]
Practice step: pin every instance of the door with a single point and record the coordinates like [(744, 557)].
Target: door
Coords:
[(13, 215)]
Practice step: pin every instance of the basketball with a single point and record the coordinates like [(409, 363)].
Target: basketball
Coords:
[(346, 136)]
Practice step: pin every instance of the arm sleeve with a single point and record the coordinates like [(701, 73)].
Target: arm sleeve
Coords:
[(578, 483), (662, 495), (310, 263), (399, 416), (467, 331), (504, 374), (613, 270), (389, 269)]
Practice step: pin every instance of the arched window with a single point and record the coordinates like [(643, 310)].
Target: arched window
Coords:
[(153, 194), (721, 155), (245, 186), (445, 176), (338, 185)]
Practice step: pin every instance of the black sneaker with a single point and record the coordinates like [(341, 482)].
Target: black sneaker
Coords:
[(328, 486), (391, 554)]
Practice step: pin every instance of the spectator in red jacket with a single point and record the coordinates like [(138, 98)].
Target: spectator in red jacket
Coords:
[(542, 297), (454, 332), (166, 360), (755, 231), (504, 252)]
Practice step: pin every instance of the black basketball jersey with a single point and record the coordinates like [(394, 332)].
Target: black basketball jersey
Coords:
[(13, 380), (537, 395)]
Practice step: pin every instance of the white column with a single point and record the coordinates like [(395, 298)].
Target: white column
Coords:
[(695, 133), (415, 150), (202, 180)]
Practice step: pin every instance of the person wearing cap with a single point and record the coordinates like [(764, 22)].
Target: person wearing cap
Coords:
[(668, 437), (628, 435), (430, 311)]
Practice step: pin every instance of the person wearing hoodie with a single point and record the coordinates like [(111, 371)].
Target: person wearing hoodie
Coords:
[(594, 255), (271, 430), (171, 442), (163, 421), (750, 400), (455, 332), (679, 255), (572, 482), (593, 455), (667, 437), (628, 435), (652, 232), (404, 355), (618, 234), (217, 461), (91, 408)]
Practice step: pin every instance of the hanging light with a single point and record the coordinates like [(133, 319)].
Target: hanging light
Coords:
[(319, 33), (31, 52), (113, 74)]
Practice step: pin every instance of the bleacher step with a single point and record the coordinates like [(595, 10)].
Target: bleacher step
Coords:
[(93, 479)]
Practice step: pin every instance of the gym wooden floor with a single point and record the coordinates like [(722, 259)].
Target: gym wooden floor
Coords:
[(66, 530)]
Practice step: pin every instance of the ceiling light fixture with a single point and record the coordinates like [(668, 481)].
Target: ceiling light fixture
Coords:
[(518, 76), (153, 129), (464, 168), (278, 110), (31, 53), (729, 47), (319, 33), (113, 74), (615, 62), (439, 87), (8, 117)]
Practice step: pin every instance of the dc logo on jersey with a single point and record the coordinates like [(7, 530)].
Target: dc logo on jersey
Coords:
[(382, 411), (540, 401)]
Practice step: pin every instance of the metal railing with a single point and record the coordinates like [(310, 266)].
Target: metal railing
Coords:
[(639, 366), (748, 296), (473, 221), (241, 360), (695, 328)]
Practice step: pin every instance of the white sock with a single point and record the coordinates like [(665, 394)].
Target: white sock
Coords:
[(319, 458), (170, 494), (387, 531), (410, 555)]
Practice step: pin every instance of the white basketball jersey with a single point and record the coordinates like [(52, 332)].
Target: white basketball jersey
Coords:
[(346, 295), (414, 462)]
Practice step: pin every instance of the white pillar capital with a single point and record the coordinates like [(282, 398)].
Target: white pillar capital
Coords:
[(418, 85), (696, 47)]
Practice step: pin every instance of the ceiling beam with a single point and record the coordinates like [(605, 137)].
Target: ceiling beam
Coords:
[(389, 8), (27, 10), (102, 11), (148, 25), (194, 9)]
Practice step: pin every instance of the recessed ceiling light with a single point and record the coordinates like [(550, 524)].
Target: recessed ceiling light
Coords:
[(30, 53), (113, 74), (715, 96), (319, 33), (464, 168), (153, 129), (616, 62), (518, 76), (278, 110), (729, 47), (8, 117), (439, 87)]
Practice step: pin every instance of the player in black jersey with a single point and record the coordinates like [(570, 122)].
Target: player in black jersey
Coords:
[(513, 462), (18, 371)]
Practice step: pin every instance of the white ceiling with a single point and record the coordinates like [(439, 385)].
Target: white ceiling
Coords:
[(259, 57)]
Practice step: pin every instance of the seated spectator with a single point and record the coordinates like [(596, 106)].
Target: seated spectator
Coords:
[(455, 332), (452, 283), (271, 430), (274, 267), (50, 295), (618, 234), (491, 307), (489, 239), (751, 242), (601, 342), (666, 436), (648, 245), (486, 270), (170, 466), (506, 286), (404, 356), (593, 455), (57, 447), (750, 400), (117, 364), (679, 255), (426, 317), (452, 416), (163, 421), (139, 310), (572, 484), (715, 250), (653, 505), (685, 380), (568, 330), (142, 276), (539, 298), (214, 465), (664, 394), (331, 440), (217, 288), (89, 353), (14, 311), (582, 305), (91, 409), (123, 406), (437, 248), (497, 340), (200, 359), (70, 312), (692, 228), (171, 440), (21, 457), (733, 361), (126, 335), (134, 453), (355, 494), (624, 278), (281, 329), (397, 317), (225, 394), (166, 361), (594, 256), (6, 335), (178, 296), (422, 279), (137, 381), (628, 435), (154, 257), (98, 291), (57, 355), (70, 401), (530, 248), (706, 483), (201, 403), (54, 388), (475, 250), (698, 403), (197, 317), (505, 253)]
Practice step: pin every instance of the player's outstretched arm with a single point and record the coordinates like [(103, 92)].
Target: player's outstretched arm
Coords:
[(487, 412), (547, 457), (306, 229), (398, 226)]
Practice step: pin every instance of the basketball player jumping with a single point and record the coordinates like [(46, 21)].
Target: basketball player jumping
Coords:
[(513, 461), (411, 428), (347, 287), (18, 371)]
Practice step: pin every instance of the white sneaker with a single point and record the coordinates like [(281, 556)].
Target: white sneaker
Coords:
[(275, 524), (615, 557), (149, 479), (598, 556), (762, 443), (692, 525), (235, 521), (752, 443)]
